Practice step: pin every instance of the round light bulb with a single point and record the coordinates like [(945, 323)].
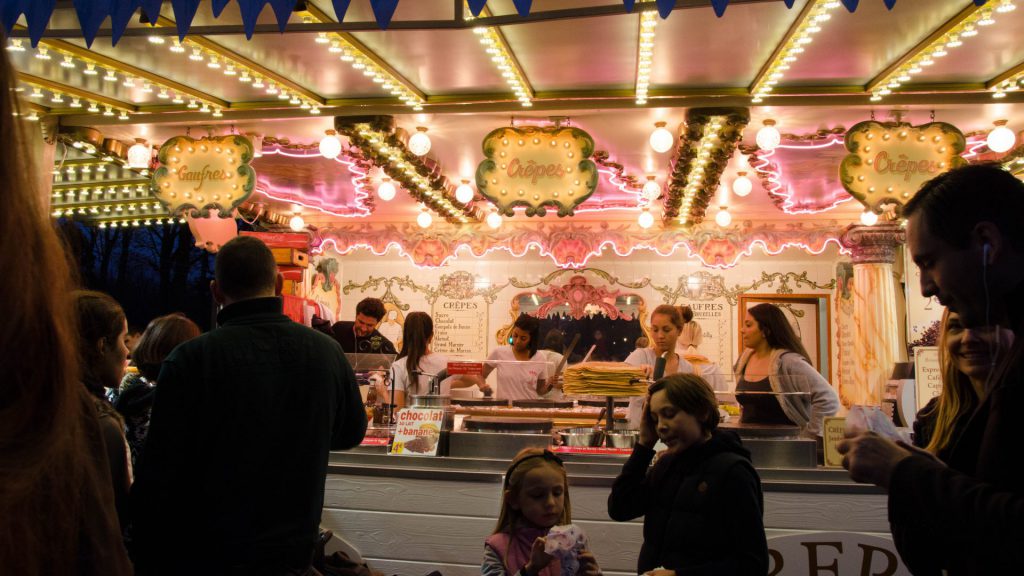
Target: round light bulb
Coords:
[(645, 220), (424, 219), (297, 223), (661, 138), (768, 137), (1001, 138), (651, 190), (464, 193), (494, 220), (419, 143), (742, 185), (330, 146), (723, 218), (386, 190), (139, 155), (868, 218)]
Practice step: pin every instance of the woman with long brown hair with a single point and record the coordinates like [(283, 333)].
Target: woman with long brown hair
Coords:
[(56, 505), (417, 364)]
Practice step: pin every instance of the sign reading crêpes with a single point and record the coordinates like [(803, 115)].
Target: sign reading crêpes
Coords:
[(888, 163), (196, 176), (537, 167)]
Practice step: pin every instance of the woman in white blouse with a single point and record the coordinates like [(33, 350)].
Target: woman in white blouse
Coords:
[(417, 335)]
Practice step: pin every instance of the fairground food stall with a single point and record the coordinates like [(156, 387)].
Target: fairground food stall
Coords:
[(580, 161)]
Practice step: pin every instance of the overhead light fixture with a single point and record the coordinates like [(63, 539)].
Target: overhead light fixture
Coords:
[(140, 154), (419, 143), (723, 218), (494, 220), (424, 219), (651, 190), (742, 185), (768, 137), (330, 145), (661, 139), (1001, 138), (868, 217), (386, 190), (297, 223), (464, 193), (646, 219)]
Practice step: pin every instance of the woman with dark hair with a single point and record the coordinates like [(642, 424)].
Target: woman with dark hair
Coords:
[(775, 361), (57, 512), (102, 331), (134, 398), (701, 500), (666, 324), (522, 368), (417, 336)]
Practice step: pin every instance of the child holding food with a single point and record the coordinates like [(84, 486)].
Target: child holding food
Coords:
[(534, 536)]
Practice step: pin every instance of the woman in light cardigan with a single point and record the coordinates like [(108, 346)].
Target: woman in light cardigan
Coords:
[(776, 361)]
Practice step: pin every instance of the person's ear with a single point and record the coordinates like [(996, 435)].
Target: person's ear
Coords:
[(218, 296), (987, 236), (101, 346), (278, 284)]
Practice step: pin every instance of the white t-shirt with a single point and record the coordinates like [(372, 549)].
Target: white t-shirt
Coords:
[(517, 381), (430, 364), (647, 357)]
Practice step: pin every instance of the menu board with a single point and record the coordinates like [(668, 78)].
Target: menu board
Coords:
[(845, 331), (460, 328), (417, 431), (714, 318)]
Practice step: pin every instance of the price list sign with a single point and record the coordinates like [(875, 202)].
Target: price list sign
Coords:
[(417, 431)]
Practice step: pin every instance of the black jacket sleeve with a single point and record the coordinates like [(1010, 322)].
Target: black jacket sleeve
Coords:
[(630, 493), (350, 417)]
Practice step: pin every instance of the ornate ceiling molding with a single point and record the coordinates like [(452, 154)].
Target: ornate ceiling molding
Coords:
[(573, 245)]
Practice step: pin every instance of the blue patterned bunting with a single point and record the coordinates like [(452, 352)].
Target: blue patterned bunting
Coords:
[(523, 6), (340, 8), (665, 7), (629, 5), (91, 14), (851, 5), (383, 10), (10, 11), (151, 8), (719, 6), (184, 12), (120, 15), (218, 7), (282, 10)]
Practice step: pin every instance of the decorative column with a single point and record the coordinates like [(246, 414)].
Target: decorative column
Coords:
[(876, 325)]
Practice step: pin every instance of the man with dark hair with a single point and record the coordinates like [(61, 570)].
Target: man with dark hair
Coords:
[(965, 230), (232, 479), (361, 335)]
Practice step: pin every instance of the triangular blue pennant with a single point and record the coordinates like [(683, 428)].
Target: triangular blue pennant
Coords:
[(476, 6), (184, 12), (250, 10), (282, 9), (789, 3), (218, 7), (37, 14), (665, 7), (629, 5), (10, 11), (121, 12), (151, 8), (851, 5), (523, 6), (91, 14), (889, 3), (719, 6), (383, 10), (341, 7)]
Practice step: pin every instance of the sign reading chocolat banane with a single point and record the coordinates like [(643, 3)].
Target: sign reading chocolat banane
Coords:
[(537, 167), (197, 175), (888, 162)]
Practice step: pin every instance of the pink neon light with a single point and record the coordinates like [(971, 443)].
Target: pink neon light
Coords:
[(973, 147), (358, 182), (774, 176), (748, 251)]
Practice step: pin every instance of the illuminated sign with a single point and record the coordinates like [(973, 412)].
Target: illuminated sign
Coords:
[(537, 167), (196, 176), (888, 163)]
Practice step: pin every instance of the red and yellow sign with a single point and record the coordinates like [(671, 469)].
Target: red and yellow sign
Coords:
[(196, 176), (889, 162), (537, 167)]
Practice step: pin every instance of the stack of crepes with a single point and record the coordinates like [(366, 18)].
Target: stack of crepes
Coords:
[(604, 379)]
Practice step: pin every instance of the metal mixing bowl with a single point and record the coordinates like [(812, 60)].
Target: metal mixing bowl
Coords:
[(581, 437)]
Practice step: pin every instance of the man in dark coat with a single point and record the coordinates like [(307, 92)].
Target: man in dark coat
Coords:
[(361, 335), (232, 479), (965, 231)]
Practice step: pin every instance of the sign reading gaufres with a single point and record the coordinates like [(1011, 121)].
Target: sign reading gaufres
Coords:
[(888, 162), (537, 167), (197, 175)]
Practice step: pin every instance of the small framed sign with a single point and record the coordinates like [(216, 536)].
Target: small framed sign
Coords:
[(927, 374), (833, 431), (417, 431)]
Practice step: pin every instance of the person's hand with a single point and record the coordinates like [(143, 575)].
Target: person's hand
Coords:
[(648, 431), (557, 381), (539, 559), (871, 458), (588, 565), (485, 388)]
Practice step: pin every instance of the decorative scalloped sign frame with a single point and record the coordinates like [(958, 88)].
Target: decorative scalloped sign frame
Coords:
[(888, 163), (537, 167), (196, 176)]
